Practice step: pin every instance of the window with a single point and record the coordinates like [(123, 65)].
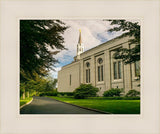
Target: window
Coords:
[(70, 79), (100, 61), (137, 68), (87, 75), (88, 72), (100, 69), (117, 70), (88, 64), (99, 75)]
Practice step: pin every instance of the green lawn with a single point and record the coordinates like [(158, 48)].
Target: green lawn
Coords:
[(111, 106), (22, 102)]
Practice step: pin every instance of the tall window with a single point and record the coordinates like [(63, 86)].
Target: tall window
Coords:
[(70, 79), (99, 74), (102, 72), (87, 75), (137, 68), (117, 70), (100, 69), (88, 72)]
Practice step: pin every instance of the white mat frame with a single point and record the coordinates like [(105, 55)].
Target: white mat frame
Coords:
[(147, 122)]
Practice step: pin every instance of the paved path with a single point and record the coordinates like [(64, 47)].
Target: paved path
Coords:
[(44, 105)]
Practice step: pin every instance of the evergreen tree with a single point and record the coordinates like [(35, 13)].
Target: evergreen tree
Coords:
[(39, 41), (131, 29)]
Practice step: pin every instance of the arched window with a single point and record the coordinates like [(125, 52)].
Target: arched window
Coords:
[(100, 61), (88, 72), (100, 69), (87, 64)]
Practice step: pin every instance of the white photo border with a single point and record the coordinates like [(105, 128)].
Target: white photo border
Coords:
[(147, 122)]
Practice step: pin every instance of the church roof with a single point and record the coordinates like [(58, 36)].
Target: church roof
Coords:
[(118, 37)]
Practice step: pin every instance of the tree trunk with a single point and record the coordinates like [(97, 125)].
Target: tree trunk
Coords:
[(23, 96), (28, 94)]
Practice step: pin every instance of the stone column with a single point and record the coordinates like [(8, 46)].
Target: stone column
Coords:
[(81, 71), (127, 74), (107, 71), (93, 70)]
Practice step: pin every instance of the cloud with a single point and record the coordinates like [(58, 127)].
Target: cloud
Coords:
[(54, 74), (93, 32)]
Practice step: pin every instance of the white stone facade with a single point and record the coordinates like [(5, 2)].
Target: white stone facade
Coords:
[(98, 67)]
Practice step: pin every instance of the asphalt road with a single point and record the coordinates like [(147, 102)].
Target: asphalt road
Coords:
[(44, 105)]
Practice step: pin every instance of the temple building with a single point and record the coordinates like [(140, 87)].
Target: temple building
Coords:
[(97, 66)]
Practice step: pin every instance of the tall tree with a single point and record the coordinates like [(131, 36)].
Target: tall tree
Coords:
[(39, 41), (131, 29)]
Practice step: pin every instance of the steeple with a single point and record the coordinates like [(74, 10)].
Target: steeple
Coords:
[(80, 47), (80, 40)]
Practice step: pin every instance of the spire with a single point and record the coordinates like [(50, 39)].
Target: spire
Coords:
[(80, 47), (80, 40)]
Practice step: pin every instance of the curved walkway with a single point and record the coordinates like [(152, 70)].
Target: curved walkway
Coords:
[(45, 105)]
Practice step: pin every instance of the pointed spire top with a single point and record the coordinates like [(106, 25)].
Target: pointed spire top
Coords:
[(80, 40)]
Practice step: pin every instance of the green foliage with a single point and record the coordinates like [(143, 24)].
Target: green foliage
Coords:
[(131, 29), (26, 100), (50, 84), (111, 106), (112, 92), (116, 98), (132, 93), (84, 91), (49, 93), (22, 88), (66, 93), (59, 95), (39, 41), (40, 86)]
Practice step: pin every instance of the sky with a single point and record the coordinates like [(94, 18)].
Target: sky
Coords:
[(93, 33)]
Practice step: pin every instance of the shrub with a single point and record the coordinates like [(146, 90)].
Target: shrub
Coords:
[(59, 95), (49, 93), (66, 93), (112, 92), (132, 93), (84, 91)]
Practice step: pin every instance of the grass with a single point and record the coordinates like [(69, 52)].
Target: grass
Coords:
[(111, 106), (26, 100)]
